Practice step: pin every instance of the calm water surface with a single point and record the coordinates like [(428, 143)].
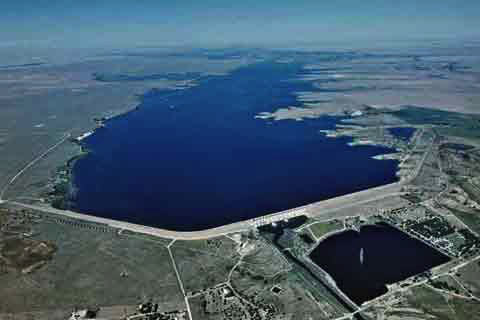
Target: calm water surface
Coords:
[(197, 158), (362, 263)]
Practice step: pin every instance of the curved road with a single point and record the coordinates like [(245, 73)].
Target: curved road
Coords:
[(316, 209)]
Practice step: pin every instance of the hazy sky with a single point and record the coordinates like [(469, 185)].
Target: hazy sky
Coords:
[(164, 22)]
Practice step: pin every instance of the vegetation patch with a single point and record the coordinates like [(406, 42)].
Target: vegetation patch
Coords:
[(322, 228), (25, 254)]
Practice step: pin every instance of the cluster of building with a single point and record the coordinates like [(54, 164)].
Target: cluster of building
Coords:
[(435, 230), (222, 300), (150, 311)]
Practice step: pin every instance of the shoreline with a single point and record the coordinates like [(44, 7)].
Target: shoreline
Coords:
[(100, 122), (62, 191)]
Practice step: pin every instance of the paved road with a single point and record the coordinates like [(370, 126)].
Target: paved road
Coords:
[(31, 163), (316, 209), (195, 235)]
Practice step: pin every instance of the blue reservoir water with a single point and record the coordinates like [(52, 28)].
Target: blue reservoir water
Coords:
[(197, 158)]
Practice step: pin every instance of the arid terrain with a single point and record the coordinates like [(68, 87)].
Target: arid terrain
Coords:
[(59, 264)]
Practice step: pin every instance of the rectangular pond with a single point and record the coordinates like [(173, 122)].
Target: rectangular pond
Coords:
[(363, 263)]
